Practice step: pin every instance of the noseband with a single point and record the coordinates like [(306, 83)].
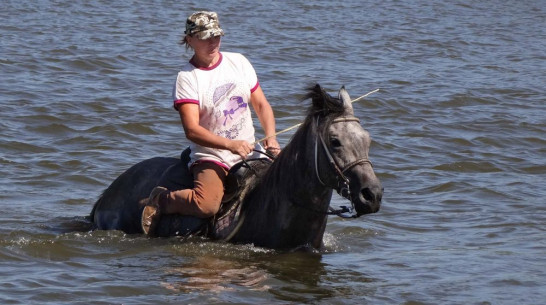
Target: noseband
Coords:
[(343, 181)]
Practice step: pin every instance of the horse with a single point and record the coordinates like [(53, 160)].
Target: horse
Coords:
[(283, 203)]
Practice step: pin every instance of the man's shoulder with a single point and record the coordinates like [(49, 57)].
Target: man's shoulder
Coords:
[(233, 56), (187, 67)]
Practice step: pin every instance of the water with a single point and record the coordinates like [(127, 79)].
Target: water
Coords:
[(459, 144)]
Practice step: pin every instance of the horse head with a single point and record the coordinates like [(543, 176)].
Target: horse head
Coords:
[(341, 151)]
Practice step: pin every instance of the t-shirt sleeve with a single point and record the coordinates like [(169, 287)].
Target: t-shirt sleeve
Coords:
[(184, 91), (250, 74)]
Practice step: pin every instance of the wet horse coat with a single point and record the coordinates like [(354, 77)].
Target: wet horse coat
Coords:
[(286, 204)]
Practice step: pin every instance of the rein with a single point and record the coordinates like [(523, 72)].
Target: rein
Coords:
[(342, 187)]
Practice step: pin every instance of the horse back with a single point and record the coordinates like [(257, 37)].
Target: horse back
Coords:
[(120, 205)]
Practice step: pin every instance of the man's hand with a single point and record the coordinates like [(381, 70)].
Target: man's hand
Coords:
[(272, 146), (240, 147)]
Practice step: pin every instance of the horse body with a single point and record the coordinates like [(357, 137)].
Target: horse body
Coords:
[(287, 206)]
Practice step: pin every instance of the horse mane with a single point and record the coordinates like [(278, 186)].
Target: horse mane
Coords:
[(323, 104), (323, 109)]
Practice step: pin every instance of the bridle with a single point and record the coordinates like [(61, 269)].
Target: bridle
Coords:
[(343, 181)]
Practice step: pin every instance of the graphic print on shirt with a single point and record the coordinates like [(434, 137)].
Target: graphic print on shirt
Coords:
[(236, 103), (230, 110), (221, 92)]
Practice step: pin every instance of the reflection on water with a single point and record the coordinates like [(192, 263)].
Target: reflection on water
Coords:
[(298, 276), (215, 274)]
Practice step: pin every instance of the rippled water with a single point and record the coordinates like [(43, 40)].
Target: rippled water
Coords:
[(459, 144)]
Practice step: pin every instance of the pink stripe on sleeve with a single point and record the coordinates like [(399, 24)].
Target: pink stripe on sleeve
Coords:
[(255, 87), (184, 101)]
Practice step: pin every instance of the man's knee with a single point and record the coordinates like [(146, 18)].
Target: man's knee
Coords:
[(207, 200), (210, 210), (208, 207)]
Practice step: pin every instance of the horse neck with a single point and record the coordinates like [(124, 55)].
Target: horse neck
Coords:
[(294, 170), (288, 205)]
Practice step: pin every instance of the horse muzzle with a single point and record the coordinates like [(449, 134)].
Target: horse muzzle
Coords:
[(369, 200)]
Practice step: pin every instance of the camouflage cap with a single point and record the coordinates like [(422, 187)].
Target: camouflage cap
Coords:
[(203, 25)]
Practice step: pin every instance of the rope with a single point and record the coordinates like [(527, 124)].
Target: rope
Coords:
[(297, 125)]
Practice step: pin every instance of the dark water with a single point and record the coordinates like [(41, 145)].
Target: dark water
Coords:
[(459, 143)]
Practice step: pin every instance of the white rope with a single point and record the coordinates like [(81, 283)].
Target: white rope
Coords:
[(358, 99), (297, 125)]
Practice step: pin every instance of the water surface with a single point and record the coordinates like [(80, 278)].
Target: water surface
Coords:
[(458, 141)]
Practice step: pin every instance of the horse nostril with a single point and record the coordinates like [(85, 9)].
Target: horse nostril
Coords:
[(372, 196), (368, 194)]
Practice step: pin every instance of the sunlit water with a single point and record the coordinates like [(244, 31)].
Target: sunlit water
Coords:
[(459, 144)]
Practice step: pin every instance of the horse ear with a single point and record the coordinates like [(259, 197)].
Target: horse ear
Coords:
[(346, 100)]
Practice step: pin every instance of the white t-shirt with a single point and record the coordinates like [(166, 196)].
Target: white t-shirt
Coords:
[(223, 95)]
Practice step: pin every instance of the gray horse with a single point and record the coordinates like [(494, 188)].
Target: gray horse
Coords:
[(282, 204)]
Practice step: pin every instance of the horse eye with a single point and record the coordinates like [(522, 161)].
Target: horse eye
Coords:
[(335, 143)]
